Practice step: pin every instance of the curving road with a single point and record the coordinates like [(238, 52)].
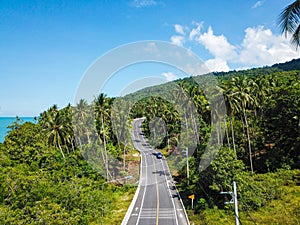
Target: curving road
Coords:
[(156, 201)]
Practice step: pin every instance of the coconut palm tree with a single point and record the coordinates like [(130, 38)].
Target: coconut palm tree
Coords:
[(81, 114), (231, 106), (101, 112), (241, 96), (289, 22), (57, 127), (121, 124)]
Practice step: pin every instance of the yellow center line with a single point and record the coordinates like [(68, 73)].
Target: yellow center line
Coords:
[(157, 192)]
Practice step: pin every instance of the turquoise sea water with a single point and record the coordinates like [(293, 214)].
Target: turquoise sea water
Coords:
[(6, 121)]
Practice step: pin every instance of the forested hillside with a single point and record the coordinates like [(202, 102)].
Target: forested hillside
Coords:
[(45, 177), (261, 141)]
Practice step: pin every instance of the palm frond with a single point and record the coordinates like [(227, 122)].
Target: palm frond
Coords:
[(289, 22), (295, 40)]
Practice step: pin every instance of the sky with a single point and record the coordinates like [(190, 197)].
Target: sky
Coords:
[(46, 47)]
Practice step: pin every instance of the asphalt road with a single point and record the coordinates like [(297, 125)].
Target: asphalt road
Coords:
[(156, 201)]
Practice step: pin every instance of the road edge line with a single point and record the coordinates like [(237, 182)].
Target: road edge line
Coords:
[(137, 192), (167, 183), (130, 209), (184, 210)]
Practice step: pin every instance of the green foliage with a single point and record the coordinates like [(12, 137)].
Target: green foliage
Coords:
[(40, 186), (287, 66), (283, 209), (24, 142), (44, 179), (259, 190), (218, 176)]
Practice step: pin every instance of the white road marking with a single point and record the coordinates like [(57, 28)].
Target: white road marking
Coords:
[(145, 185), (170, 194)]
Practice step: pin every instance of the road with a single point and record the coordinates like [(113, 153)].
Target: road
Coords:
[(156, 201)]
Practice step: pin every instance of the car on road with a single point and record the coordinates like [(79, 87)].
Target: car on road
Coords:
[(159, 155)]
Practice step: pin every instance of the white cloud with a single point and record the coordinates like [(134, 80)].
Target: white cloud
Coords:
[(179, 29), (217, 45), (143, 3), (196, 31), (257, 4), (261, 47), (169, 76), (217, 65), (177, 40)]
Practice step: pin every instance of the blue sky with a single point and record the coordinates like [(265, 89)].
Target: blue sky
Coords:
[(46, 46)]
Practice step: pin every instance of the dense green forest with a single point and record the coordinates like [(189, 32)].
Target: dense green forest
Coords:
[(49, 177), (46, 180), (260, 148)]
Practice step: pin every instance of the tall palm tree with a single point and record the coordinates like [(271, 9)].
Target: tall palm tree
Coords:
[(81, 114), (67, 117), (231, 106), (289, 22), (241, 96), (57, 128), (101, 112), (121, 124)]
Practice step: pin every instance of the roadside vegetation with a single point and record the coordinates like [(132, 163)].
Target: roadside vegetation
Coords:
[(260, 144), (48, 176), (44, 178)]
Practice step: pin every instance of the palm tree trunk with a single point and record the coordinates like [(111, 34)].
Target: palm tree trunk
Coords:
[(66, 143), (87, 136), (104, 145), (61, 151), (226, 131), (72, 144), (232, 134), (248, 137), (218, 133), (80, 144), (102, 154), (124, 159), (194, 123)]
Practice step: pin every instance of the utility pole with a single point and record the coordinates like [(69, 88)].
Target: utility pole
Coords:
[(233, 201), (187, 163), (236, 208)]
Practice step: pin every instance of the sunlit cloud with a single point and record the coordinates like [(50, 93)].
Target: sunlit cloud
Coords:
[(259, 47), (195, 31), (217, 65), (169, 76), (179, 29), (217, 45), (177, 40)]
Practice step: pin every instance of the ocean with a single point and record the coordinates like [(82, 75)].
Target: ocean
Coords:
[(6, 121)]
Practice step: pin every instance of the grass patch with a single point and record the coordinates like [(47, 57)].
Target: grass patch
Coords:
[(285, 210), (120, 206)]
